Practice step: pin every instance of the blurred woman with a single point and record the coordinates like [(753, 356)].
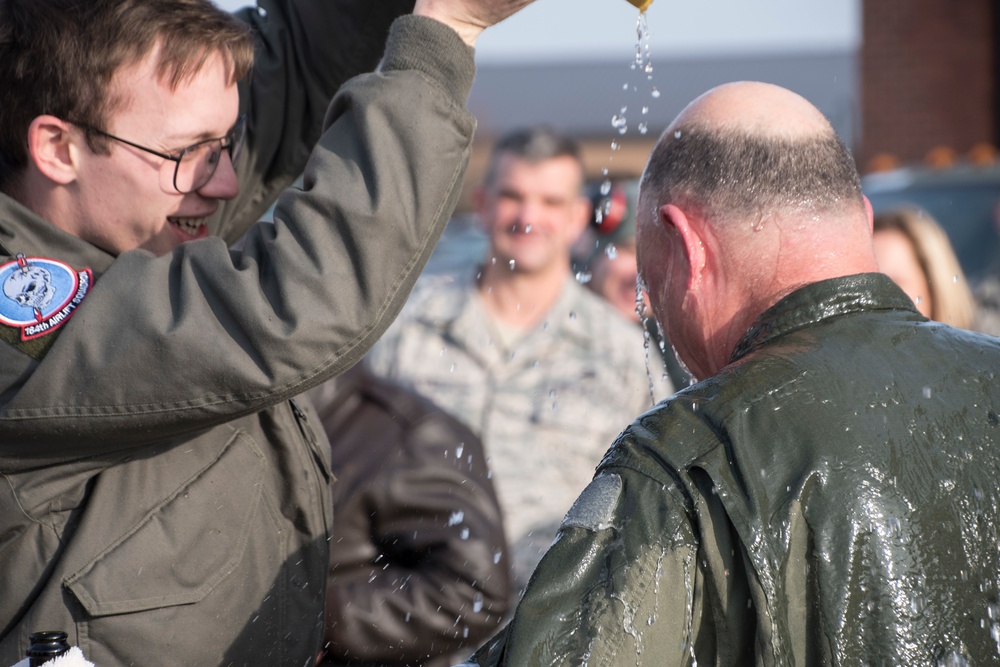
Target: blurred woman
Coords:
[(913, 250)]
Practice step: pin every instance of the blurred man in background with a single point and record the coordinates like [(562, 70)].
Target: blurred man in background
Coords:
[(541, 368)]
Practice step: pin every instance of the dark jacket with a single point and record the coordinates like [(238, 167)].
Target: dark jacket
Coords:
[(828, 498), (161, 499), (417, 566)]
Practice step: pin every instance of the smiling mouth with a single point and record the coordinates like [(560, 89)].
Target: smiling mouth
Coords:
[(189, 226)]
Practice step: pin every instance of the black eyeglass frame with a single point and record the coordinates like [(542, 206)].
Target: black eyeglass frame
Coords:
[(232, 143)]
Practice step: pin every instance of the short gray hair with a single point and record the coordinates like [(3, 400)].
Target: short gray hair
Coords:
[(730, 175)]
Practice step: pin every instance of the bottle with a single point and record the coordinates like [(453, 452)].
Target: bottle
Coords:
[(45, 646), (643, 5)]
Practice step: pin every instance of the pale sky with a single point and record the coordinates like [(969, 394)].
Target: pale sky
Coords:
[(555, 30)]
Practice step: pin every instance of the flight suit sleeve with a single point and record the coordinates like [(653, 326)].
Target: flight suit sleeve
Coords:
[(305, 50), (620, 585), (166, 346)]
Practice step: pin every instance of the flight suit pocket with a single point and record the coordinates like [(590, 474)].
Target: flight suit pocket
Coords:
[(184, 547)]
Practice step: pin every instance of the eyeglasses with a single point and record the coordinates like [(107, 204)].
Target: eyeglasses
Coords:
[(195, 165)]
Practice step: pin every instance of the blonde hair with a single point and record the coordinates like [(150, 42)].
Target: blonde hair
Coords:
[(951, 298)]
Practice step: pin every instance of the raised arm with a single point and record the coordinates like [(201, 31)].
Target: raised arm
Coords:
[(236, 332), (306, 49)]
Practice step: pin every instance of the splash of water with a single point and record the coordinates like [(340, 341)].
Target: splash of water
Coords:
[(642, 65)]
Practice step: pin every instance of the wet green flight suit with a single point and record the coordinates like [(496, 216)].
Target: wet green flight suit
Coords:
[(828, 498)]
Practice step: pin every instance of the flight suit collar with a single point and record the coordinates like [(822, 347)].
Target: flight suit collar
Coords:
[(23, 232), (823, 300)]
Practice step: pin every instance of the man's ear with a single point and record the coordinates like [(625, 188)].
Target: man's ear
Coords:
[(871, 214), (688, 234), (52, 149)]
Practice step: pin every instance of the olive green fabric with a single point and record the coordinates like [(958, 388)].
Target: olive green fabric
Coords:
[(829, 498), (162, 500)]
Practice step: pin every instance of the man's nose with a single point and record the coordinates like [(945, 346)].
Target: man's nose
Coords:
[(223, 184), (529, 214)]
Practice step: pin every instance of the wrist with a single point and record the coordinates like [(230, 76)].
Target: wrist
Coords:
[(468, 30)]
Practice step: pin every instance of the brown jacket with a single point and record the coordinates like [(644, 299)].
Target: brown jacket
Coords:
[(417, 563)]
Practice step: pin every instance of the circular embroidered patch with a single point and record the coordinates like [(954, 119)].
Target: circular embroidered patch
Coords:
[(38, 295)]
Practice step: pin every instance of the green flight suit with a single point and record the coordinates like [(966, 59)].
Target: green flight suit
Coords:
[(828, 498), (162, 499)]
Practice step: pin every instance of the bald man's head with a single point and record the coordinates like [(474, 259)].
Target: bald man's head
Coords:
[(747, 151), (761, 109), (747, 196)]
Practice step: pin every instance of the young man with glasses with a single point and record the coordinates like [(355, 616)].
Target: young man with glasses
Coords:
[(163, 499)]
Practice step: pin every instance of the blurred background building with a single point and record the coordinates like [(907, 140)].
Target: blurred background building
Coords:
[(910, 85)]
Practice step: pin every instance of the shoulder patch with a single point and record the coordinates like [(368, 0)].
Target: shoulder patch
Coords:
[(38, 295), (595, 508)]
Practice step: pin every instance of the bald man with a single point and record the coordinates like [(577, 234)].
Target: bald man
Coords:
[(826, 494)]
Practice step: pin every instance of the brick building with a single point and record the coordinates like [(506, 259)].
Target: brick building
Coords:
[(927, 78)]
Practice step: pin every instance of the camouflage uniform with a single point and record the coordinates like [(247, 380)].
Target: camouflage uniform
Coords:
[(547, 408)]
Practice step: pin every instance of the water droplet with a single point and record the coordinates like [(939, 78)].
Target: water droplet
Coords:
[(615, 146), (645, 110), (954, 278), (649, 68), (512, 264), (625, 86), (452, 369), (583, 277), (465, 533), (927, 392), (527, 229), (643, 128), (655, 93), (457, 517), (606, 186), (459, 449), (677, 134), (477, 602), (619, 122), (611, 251)]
